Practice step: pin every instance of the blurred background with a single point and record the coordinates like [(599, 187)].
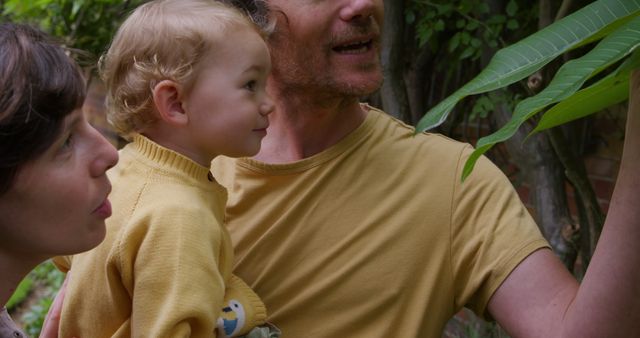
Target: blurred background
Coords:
[(431, 48)]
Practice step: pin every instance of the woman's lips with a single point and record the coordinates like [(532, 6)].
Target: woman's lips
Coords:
[(104, 210)]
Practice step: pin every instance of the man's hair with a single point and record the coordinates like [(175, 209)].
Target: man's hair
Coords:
[(161, 40), (39, 86), (258, 10)]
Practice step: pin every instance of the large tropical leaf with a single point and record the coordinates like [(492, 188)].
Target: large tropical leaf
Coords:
[(525, 57), (569, 79), (608, 91), (606, 31)]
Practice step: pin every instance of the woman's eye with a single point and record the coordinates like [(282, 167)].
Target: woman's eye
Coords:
[(251, 85), (68, 142)]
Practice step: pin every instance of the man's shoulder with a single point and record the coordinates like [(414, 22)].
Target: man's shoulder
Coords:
[(400, 135)]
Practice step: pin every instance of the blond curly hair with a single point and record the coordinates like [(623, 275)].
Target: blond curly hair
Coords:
[(161, 40)]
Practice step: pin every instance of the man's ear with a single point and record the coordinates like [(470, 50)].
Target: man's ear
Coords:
[(168, 101)]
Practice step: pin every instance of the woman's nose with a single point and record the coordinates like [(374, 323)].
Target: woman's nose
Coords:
[(106, 155)]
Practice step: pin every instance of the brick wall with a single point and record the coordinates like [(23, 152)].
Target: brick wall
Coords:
[(601, 162)]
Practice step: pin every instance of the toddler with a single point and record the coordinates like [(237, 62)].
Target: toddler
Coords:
[(185, 83)]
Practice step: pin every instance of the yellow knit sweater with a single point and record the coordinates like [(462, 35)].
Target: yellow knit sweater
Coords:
[(164, 269)]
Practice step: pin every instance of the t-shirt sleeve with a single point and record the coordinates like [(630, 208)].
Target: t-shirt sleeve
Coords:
[(171, 257), (492, 232)]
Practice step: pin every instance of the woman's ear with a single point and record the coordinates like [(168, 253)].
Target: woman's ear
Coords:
[(168, 101)]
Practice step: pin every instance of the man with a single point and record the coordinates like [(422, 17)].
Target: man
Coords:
[(349, 226)]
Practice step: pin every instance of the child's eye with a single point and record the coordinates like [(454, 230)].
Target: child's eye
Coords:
[(251, 85)]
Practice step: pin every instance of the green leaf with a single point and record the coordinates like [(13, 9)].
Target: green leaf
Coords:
[(512, 8), (496, 19), (467, 53), (76, 5), (570, 77), (483, 8), (410, 17), (21, 293), (606, 31), (512, 24), (481, 108), (520, 60), (608, 91), (454, 42)]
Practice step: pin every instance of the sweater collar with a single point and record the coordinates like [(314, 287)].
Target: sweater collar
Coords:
[(170, 159)]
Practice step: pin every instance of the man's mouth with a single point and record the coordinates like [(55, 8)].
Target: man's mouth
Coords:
[(354, 47)]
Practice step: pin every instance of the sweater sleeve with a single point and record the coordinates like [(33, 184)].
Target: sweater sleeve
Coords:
[(243, 309), (171, 259)]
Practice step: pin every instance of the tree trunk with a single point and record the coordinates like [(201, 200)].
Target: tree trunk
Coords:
[(394, 93), (591, 216), (420, 80), (542, 171), (544, 174)]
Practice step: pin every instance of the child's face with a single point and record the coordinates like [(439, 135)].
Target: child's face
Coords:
[(228, 104), (58, 202)]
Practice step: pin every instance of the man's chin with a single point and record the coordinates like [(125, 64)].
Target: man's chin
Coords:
[(362, 88), (358, 86)]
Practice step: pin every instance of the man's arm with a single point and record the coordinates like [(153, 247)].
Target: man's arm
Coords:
[(541, 299)]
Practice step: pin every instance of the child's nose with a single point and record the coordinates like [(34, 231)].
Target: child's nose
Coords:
[(267, 106)]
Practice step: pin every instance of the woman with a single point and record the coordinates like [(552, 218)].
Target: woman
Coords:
[(53, 187)]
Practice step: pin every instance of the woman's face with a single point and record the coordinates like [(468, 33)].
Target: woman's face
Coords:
[(58, 202)]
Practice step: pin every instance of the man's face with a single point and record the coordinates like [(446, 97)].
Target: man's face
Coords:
[(329, 47)]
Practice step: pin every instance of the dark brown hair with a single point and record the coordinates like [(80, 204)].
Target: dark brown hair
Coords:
[(258, 10), (39, 86)]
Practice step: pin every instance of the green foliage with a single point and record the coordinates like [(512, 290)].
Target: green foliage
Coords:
[(34, 319), (43, 282), (509, 65), (21, 293), (48, 274), (571, 77), (487, 103), (612, 89), (463, 27), (458, 36), (81, 24)]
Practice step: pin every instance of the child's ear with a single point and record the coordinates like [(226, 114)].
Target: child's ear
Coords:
[(168, 101)]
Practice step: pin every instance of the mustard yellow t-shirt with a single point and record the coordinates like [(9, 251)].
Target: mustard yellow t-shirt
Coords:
[(376, 236)]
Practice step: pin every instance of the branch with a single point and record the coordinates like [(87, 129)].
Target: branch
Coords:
[(564, 9), (577, 175)]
